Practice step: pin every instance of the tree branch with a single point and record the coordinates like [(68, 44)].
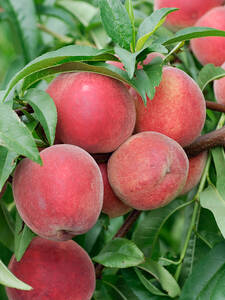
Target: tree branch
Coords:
[(206, 142), (215, 106)]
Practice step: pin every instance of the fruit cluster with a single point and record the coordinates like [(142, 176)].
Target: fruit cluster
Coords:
[(146, 170)]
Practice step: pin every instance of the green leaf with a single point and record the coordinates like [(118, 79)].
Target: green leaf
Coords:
[(192, 33), (148, 285), (209, 73), (8, 279), (24, 23), (56, 58), (150, 224), (213, 200), (7, 164), (203, 274), (15, 136), (45, 111), (83, 11), (6, 225), (116, 22), (120, 253), (219, 289), (100, 37), (107, 291), (150, 25), (166, 280), (23, 237)]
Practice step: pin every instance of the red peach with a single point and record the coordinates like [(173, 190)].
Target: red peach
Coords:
[(178, 109), (210, 50), (112, 205), (196, 168), (148, 171), (189, 11), (63, 197), (55, 270), (95, 112), (219, 89)]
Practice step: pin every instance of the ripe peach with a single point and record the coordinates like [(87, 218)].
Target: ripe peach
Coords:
[(189, 11), (148, 171), (210, 50), (112, 205), (95, 112), (63, 197), (178, 109), (219, 89), (196, 168), (55, 270)]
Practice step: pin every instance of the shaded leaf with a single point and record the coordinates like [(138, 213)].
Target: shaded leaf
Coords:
[(209, 73), (7, 164), (45, 110), (15, 136), (23, 237), (203, 273)]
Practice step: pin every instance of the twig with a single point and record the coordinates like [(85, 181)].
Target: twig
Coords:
[(62, 38), (215, 106), (206, 142)]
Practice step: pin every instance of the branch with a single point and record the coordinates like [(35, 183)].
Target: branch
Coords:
[(215, 106), (206, 142), (62, 38)]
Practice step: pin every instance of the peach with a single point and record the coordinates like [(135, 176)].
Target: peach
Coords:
[(219, 88), (95, 112), (63, 197), (55, 270), (178, 109), (196, 168), (112, 205), (210, 50), (189, 11), (148, 171)]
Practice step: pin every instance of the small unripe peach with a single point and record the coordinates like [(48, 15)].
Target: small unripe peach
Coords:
[(55, 271), (196, 168), (112, 205), (148, 171), (63, 197)]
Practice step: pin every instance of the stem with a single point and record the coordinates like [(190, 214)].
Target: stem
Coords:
[(132, 217), (62, 38)]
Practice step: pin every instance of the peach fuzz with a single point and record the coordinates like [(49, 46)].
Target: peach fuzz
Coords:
[(95, 112), (112, 205), (196, 168), (189, 11), (148, 171), (210, 50), (55, 270), (177, 110), (63, 197), (219, 88)]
